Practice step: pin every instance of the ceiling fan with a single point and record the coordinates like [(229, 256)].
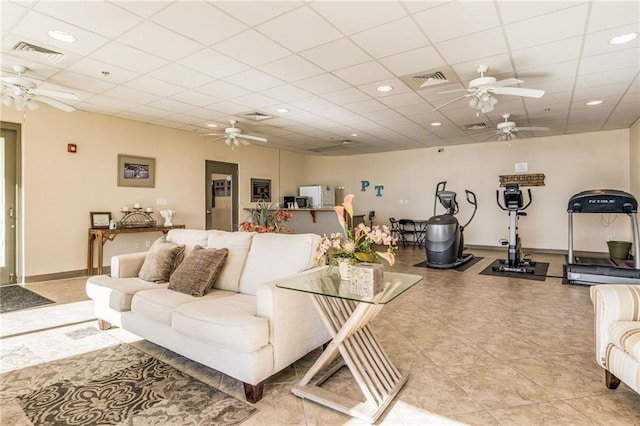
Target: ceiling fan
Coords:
[(22, 92), (233, 136), (482, 89), (507, 130)]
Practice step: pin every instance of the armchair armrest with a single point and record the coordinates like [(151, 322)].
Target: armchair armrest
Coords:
[(612, 303), (127, 265), (295, 326)]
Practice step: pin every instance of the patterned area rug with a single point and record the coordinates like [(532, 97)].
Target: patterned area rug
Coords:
[(538, 272), (15, 297), (114, 386)]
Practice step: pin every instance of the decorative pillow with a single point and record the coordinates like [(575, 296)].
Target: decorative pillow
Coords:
[(198, 272), (161, 261)]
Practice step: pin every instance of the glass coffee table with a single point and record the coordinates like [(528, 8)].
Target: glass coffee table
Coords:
[(347, 316)]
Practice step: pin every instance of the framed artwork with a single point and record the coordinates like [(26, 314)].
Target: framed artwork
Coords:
[(260, 190), (139, 172), (100, 220)]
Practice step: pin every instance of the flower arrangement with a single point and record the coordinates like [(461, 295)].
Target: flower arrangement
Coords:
[(356, 244), (266, 218)]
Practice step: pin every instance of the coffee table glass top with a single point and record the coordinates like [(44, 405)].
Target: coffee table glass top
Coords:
[(327, 282)]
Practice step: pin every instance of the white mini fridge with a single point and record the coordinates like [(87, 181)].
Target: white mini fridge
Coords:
[(319, 195)]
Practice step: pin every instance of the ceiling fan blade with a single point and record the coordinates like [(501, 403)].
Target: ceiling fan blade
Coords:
[(493, 132), (55, 94), (507, 82), (532, 129), (486, 138), (216, 139), (252, 138), (54, 103), (243, 142), (518, 91), (453, 91), (18, 81), (450, 102)]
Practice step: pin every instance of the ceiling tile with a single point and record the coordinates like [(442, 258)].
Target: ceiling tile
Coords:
[(512, 11), (255, 100), (134, 95), (36, 25), (413, 61), (115, 104), (397, 85), (364, 73), (299, 29), (351, 17), (78, 81), (92, 68), (337, 54), (199, 21), (182, 76), (609, 93), (292, 68), (320, 84), (391, 38), (171, 105), (128, 58), (612, 14), (364, 107), (549, 53), (222, 90), (155, 86), (255, 80), (558, 25), (195, 98), (611, 61), (286, 93), (346, 96), (256, 12), (625, 75), (313, 104), (160, 41), (252, 48), (141, 7), (99, 17), (598, 42), (470, 17), (10, 14), (229, 108), (213, 63), (479, 45), (402, 99)]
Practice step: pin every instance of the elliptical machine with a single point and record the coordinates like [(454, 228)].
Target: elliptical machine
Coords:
[(514, 204), (444, 240)]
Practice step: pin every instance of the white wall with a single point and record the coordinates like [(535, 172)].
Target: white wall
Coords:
[(570, 163)]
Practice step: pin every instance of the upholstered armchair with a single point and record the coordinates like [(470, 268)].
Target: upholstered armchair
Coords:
[(617, 327)]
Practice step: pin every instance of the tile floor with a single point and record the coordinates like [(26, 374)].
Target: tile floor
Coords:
[(480, 350)]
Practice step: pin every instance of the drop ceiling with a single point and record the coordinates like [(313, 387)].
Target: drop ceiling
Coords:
[(186, 64)]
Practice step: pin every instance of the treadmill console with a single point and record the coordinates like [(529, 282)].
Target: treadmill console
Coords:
[(603, 201)]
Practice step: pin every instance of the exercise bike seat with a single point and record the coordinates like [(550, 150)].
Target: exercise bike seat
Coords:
[(521, 213)]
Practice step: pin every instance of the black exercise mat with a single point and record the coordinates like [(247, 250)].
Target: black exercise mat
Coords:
[(14, 298), (460, 268), (539, 271)]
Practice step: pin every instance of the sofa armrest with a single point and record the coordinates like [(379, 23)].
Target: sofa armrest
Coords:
[(612, 303), (295, 326), (127, 265)]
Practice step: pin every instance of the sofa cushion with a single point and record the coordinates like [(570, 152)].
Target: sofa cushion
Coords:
[(162, 259), (189, 237), (158, 304), (626, 336), (275, 256), (118, 291), (229, 322), (197, 273), (238, 244)]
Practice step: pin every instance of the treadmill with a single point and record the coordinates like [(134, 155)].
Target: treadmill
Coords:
[(597, 270)]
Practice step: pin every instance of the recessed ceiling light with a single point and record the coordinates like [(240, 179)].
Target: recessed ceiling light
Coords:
[(212, 125), (436, 124), (354, 134), (384, 88), (594, 103), (282, 110), (624, 38), (61, 36)]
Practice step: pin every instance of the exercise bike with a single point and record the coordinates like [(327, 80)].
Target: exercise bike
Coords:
[(514, 204), (444, 239)]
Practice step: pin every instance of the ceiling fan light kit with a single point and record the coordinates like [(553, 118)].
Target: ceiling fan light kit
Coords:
[(233, 136)]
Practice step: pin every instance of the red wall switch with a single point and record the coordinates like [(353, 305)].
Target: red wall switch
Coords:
[(71, 147)]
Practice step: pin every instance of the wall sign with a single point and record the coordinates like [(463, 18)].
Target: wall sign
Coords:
[(364, 184), (535, 179)]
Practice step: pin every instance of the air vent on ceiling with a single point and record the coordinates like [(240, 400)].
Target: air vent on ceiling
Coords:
[(432, 79), (336, 149), (24, 47), (257, 116), (475, 126)]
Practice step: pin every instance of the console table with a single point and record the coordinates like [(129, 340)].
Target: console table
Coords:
[(347, 317), (104, 235)]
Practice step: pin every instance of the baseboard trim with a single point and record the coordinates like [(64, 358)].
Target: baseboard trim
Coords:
[(541, 251), (63, 275)]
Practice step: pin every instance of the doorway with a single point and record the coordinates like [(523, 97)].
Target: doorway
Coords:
[(9, 149), (221, 185)]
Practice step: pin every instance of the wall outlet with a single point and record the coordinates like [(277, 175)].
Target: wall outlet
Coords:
[(138, 245), (162, 201), (147, 243)]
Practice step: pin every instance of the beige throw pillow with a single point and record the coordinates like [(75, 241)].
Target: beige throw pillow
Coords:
[(162, 259), (198, 272)]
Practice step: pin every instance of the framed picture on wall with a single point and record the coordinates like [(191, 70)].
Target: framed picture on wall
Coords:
[(100, 220), (260, 190), (139, 172)]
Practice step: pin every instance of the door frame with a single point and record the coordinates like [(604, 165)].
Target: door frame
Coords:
[(18, 232), (219, 167)]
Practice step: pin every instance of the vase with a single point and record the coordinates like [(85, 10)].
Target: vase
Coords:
[(344, 269)]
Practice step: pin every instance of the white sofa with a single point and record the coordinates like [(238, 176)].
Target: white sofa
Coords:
[(245, 327), (617, 326)]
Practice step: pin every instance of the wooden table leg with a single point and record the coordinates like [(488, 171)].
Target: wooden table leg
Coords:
[(101, 242), (90, 253)]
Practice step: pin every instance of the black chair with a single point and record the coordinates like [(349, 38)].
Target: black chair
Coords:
[(408, 232), (395, 229)]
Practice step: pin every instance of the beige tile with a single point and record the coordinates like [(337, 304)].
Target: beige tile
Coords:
[(620, 408), (476, 418), (541, 414)]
